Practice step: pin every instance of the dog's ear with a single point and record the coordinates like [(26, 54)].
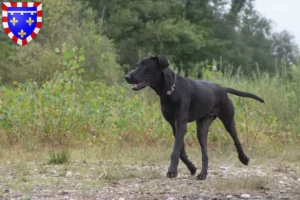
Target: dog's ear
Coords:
[(162, 61)]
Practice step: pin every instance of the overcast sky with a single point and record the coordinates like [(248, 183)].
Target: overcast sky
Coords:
[(285, 15)]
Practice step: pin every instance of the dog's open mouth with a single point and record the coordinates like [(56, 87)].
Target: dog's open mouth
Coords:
[(139, 85)]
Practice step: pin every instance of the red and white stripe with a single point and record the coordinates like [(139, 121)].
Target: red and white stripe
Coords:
[(7, 30)]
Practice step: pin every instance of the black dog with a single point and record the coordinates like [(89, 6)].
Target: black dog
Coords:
[(182, 101)]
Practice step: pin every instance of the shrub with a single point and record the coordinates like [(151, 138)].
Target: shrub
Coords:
[(68, 110)]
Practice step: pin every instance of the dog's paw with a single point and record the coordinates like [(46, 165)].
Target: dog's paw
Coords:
[(201, 176), (193, 170), (171, 174), (244, 159)]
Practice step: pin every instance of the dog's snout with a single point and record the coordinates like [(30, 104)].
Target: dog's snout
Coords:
[(127, 77)]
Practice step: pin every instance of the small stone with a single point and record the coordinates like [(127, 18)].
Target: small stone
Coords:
[(168, 187), (229, 196), (245, 196), (53, 171), (173, 191), (223, 168), (121, 198), (6, 191), (281, 182), (171, 198), (77, 174), (282, 191), (299, 179), (69, 174)]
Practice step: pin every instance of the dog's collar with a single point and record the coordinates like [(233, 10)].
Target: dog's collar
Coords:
[(169, 92)]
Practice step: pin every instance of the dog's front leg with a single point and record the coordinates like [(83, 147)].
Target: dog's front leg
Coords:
[(181, 127)]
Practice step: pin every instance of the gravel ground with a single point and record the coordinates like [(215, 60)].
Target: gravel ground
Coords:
[(119, 181)]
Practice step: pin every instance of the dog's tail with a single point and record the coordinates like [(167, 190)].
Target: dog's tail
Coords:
[(243, 94)]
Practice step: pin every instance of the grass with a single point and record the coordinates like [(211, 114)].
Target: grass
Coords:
[(66, 112), (59, 157)]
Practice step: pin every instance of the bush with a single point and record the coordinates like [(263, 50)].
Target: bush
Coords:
[(67, 110)]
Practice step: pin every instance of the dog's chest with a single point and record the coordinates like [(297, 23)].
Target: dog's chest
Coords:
[(167, 109)]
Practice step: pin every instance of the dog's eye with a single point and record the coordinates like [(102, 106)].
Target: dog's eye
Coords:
[(143, 66)]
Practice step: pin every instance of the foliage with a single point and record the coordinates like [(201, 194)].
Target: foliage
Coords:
[(66, 110), (55, 95), (190, 32)]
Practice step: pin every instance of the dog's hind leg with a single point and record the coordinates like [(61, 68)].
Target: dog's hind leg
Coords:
[(183, 156), (226, 115), (202, 132)]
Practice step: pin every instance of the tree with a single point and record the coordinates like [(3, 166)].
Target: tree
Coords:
[(143, 27), (189, 32), (284, 48)]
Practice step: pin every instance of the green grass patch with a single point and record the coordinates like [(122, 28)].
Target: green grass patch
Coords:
[(59, 157)]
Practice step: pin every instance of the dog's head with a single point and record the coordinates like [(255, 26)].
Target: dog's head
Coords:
[(147, 72)]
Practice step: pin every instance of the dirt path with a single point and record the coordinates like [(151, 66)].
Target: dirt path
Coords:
[(119, 181)]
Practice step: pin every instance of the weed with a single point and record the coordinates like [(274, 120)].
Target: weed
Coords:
[(59, 157)]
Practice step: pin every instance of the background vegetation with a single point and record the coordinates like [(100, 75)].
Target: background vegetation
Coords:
[(66, 87)]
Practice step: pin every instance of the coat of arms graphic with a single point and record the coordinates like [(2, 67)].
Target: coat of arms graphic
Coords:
[(22, 21)]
